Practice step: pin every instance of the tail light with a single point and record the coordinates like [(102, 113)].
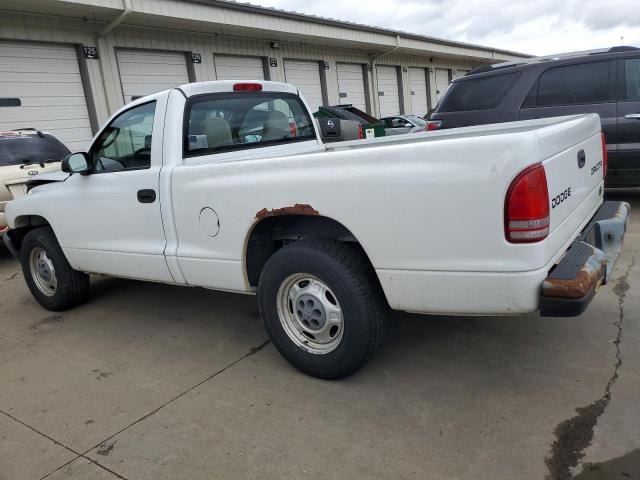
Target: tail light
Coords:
[(433, 125), (247, 87), (526, 207), (605, 156), (360, 132)]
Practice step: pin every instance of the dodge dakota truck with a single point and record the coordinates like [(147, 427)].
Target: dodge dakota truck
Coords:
[(227, 185)]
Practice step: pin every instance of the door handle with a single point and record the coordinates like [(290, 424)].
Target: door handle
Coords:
[(146, 196), (633, 116)]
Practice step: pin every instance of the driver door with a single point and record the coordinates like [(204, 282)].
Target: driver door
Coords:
[(110, 218)]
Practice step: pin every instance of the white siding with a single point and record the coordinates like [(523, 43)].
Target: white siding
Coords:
[(418, 94), (442, 82), (305, 75), (351, 85), (46, 79), (388, 92), (144, 72), (238, 68)]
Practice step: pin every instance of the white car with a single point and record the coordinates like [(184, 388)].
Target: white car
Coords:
[(24, 156), (210, 185)]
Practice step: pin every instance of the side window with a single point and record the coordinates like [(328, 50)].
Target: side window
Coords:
[(570, 85), (632, 74), (126, 142), (482, 93), (235, 121), (398, 122)]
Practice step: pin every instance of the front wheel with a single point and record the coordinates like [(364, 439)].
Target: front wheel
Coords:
[(52, 282), (322, 307)]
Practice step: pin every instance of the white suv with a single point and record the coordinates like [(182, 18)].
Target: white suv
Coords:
[(25, 154)]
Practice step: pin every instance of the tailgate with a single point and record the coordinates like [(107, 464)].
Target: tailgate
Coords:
[(574, 169)]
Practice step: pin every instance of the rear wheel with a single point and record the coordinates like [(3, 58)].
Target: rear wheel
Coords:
[(323, 307), (52, 282)]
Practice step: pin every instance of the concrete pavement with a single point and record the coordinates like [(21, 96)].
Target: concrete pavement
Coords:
[(157, 382)]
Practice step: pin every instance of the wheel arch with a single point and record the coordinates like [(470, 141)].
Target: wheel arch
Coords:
[(23, 225), (271, 233)]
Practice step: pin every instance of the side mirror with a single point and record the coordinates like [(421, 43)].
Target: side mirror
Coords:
[(77, 163), (408, 125)]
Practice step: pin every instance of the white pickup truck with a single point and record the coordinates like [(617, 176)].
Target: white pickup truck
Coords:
[(227, 185)]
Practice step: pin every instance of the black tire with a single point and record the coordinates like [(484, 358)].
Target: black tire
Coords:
[(72, 287), (345, 270)]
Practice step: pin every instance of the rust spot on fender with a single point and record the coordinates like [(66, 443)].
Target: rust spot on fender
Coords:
[(297, 209)]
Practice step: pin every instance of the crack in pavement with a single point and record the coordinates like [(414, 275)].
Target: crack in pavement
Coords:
[(574, 435), (60, 444), (11, 277), (252, 351)]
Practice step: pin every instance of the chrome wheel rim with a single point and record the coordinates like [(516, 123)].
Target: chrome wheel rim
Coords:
[(310, 314), (43, 272)]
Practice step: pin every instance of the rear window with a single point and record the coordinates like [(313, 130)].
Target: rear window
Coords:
[(235, 121), (421, 122), (32, 148), (477, 94)]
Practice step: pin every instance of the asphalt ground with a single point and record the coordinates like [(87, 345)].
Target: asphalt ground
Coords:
[(150, 381)]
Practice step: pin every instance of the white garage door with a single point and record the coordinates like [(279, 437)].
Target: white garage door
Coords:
[(418, 82), (305, 76), (442, 82), (388, 93), (351, 85), (46, 79), (461, 73), (147, 71), (239, 68)]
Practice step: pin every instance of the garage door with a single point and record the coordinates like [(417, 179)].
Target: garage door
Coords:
[(418, 82), (305, 76), (146, 71), (46, 79), (239, 68), (442, 82), (351, 85), (461, 73), (388, 93)]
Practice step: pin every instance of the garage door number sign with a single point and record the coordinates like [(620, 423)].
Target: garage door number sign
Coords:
[(90, 53)]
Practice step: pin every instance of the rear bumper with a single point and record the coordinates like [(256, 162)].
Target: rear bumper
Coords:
[(587, 264)]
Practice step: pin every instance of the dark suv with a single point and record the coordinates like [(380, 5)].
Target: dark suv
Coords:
[(606, 82)]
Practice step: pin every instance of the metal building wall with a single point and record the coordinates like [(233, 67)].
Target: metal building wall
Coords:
[(104, 76)]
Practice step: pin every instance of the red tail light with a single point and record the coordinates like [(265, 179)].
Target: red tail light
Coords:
[(247, 87), (526, 207), (360, 132), (433, 125), (605, 156)]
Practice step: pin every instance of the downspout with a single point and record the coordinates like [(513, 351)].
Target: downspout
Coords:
[(374, 73), (128, 8)]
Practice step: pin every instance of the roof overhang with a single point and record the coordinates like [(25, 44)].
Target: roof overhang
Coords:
[(227, 18)]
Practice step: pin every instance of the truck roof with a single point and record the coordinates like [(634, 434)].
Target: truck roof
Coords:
[(217, 86)]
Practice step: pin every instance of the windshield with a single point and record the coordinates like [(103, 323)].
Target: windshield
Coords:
[(32, 148), (421, 122)]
